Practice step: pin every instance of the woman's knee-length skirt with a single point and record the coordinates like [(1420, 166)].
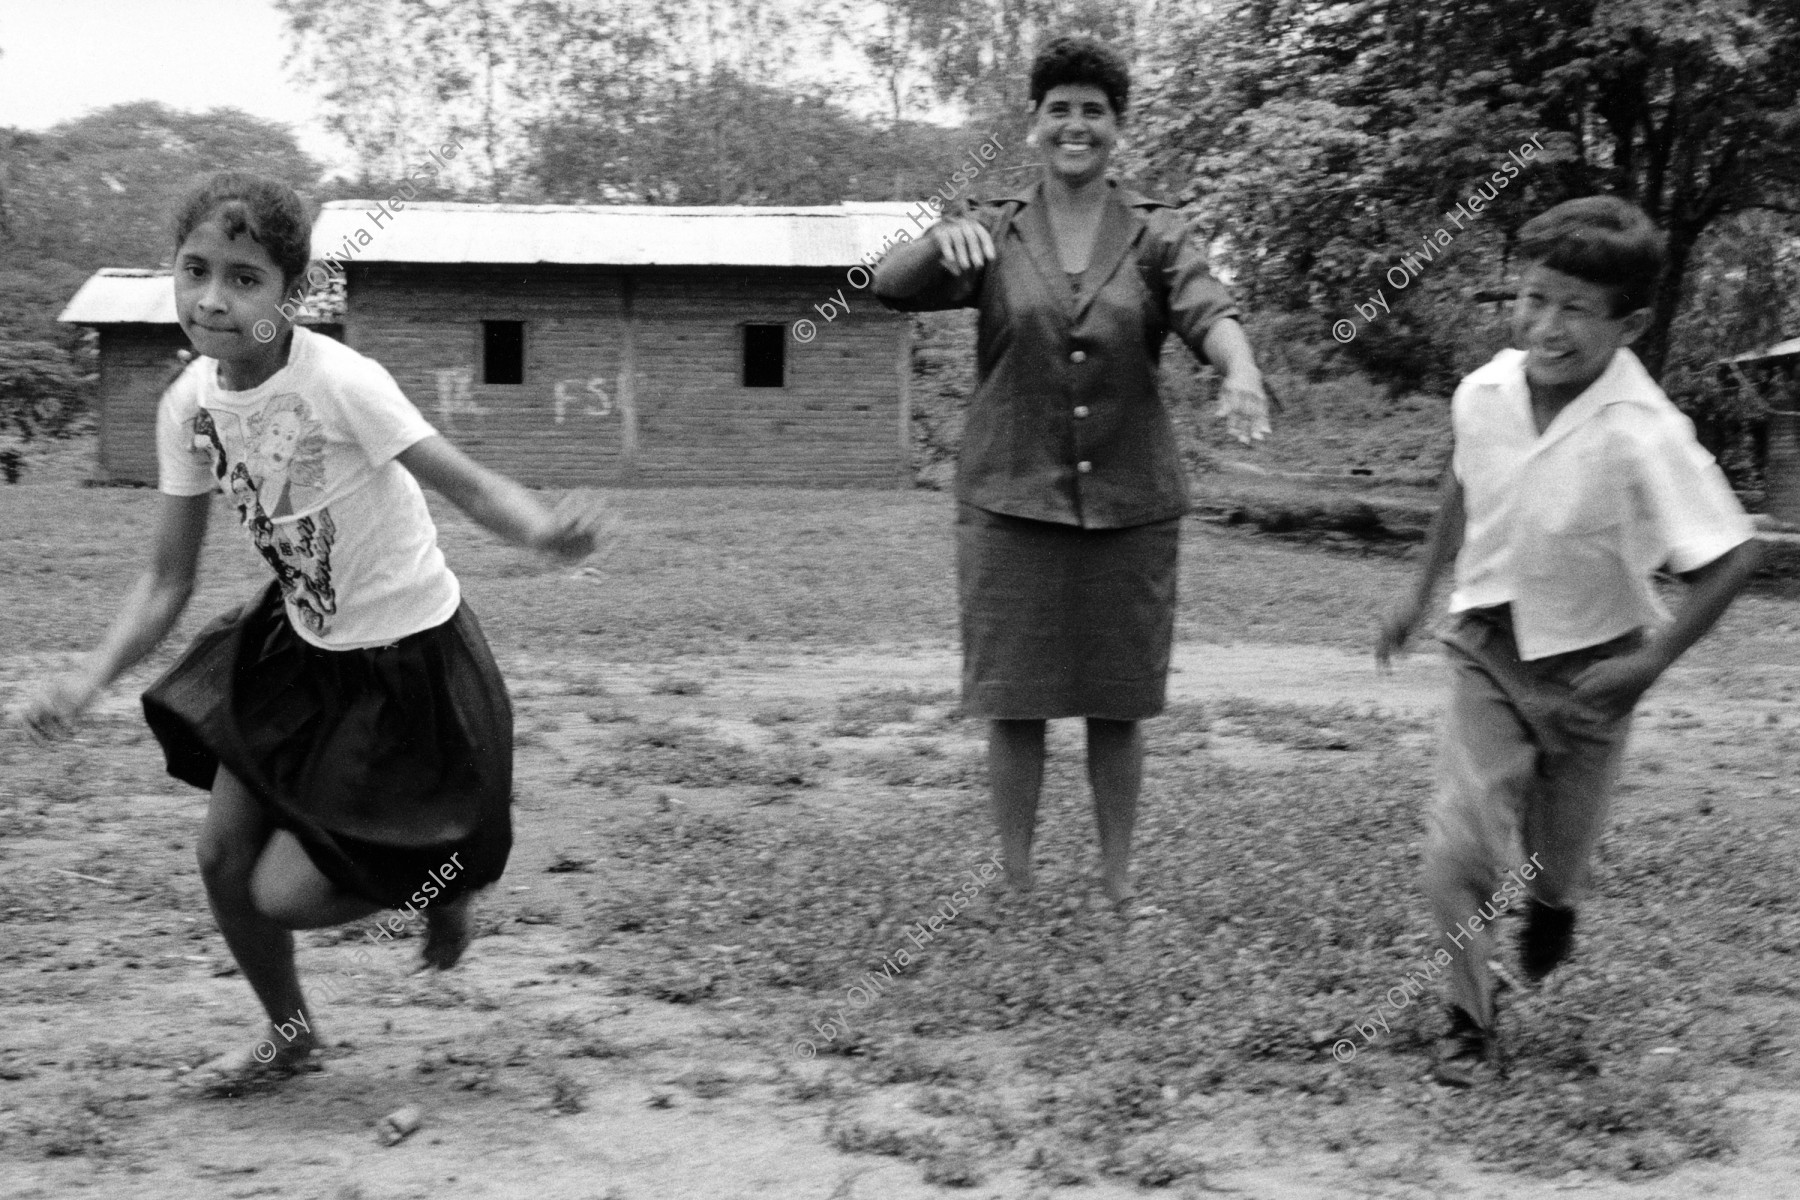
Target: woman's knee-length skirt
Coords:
[(1060, 621), (383, 762)]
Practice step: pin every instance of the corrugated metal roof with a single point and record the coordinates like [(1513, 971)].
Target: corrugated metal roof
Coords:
[(115, 296), (610, 234), (599, 235), (121, 295), (1785, 349)]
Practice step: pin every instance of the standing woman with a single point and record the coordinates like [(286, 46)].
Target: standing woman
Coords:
[(1070, 489)]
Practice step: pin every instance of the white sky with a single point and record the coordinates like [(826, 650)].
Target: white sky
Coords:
[(62, 58)]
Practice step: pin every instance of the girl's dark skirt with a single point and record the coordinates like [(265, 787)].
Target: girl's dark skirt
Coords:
[(1060, 621), (383, 762)]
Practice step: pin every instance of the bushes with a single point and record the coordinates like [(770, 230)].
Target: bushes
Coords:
[(41, 395)]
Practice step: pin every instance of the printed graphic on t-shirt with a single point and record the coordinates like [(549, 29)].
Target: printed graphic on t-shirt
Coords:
[(279, 453)]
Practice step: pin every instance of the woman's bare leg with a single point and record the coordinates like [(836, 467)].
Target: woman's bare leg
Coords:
[(1016, 777), (1116, 774)]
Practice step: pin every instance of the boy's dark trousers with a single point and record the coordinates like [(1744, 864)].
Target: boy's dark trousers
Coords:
[(1524, 769)]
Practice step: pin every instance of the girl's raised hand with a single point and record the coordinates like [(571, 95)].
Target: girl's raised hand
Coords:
[(582, 525), (50, 714)]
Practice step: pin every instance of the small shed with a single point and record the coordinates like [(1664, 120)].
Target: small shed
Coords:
[(133, 314), (606, 344), (1773, 374)]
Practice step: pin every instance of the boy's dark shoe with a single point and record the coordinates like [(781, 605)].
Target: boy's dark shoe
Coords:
[(1464, 1056), (1546, 940)]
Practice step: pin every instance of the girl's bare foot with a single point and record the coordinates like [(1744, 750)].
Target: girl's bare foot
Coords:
[(268, 1062), (449, 928)]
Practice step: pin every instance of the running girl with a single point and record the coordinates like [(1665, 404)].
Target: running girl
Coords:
[(350, 722)]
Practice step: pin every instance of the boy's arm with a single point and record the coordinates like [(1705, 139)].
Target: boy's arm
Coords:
[(149, 611), (1441, 547), (1614, 685), (571, 531)]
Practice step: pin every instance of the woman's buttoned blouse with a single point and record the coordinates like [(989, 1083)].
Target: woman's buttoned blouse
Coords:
[(1066, 423)]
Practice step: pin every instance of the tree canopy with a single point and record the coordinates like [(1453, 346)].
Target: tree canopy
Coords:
[(1321, 142), (98, 192), (1325, 141)]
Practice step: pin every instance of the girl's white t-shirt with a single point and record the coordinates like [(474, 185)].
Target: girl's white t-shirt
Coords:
[(308, 459)]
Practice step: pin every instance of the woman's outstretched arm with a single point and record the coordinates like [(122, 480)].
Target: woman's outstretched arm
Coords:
[(912, 276)]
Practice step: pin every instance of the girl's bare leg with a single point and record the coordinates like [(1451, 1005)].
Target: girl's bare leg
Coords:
[(1116, 774), (1016, 777), (261, 885), (291, 891), (448, 931)]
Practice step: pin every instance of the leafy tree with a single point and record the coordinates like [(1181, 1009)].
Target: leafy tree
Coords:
[(649, 102), (1743, 295), (399, 76), (380, 82), (99, 191), (725, 140), (979, 52), (1325, 140), (883, 34)]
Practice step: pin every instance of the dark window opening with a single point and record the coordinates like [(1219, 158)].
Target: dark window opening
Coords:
[(765, 356), (503, 352)]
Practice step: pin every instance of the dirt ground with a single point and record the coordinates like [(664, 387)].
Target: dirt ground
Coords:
[(713, 846)]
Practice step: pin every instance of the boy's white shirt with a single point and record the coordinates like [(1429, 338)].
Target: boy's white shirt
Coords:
[(307, 457), (1569, 527)]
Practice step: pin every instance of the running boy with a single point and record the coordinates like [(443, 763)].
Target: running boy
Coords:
[(350, 723), (1573, 480)]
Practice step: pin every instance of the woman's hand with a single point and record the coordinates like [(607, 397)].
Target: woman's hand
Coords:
[(963, 244), (51, 713), (1245, 406)]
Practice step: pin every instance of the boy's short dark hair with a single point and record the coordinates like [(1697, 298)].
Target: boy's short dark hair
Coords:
[(1604, 240), (1071, 59), (270, 211)]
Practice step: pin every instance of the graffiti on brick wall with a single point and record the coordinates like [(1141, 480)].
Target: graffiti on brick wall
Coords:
[(590, 394), (456, 394), (571, 397)]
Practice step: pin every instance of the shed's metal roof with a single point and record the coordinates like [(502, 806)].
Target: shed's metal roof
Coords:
[(1787, 349), (131, 296), (841, 235), (116, 296), (610, 234)]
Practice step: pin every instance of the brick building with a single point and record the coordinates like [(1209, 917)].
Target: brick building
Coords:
[(601, 345)]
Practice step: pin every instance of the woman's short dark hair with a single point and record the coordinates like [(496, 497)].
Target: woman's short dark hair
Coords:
[(268, 210), (1604, 240), (1070, 59)]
